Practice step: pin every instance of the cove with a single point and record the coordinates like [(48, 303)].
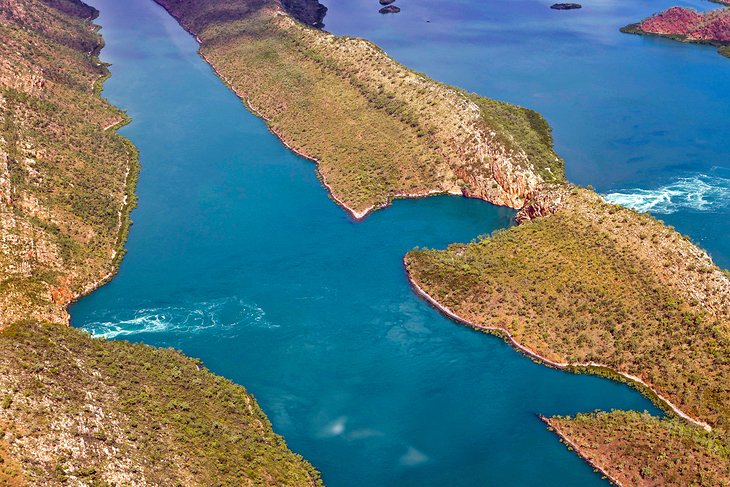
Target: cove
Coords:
[(641, 118), (238, 257)]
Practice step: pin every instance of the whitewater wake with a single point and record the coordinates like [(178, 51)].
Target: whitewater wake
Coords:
[(221, 315), (698, 193)]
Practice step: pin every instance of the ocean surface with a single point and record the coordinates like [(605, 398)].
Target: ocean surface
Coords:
[(238, 256)]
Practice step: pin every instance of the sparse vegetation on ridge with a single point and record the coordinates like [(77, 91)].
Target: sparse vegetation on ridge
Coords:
[(66, 179), (82, 411), (377, 129)]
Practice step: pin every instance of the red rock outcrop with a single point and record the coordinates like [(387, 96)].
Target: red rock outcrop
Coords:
[(690, 24)]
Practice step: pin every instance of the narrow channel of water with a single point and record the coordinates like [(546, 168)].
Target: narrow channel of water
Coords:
[(237, 256)]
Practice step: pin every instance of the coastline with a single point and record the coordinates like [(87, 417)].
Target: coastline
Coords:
[(129, 201), (631, 379), (565, 440), (357, 215)]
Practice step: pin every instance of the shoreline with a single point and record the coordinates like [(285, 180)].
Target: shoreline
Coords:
[(545, 361), (566, 441), (131, 175), (357, 215)]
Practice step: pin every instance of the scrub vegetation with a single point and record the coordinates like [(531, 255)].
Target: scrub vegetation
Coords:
[(639, 449), (66, 178), (377, 129), (598, 283), (76, 410), (68, 400)]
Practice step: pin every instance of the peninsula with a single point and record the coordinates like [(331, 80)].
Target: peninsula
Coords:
[(687, 25), (602, 289), (76, 410), (376, 129)]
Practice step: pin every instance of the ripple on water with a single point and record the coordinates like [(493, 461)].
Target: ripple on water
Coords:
[(697, 193), (220, 314)]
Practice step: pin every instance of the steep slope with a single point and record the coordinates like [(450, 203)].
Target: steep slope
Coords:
[(377, 130), (74, 410), (66, 179)]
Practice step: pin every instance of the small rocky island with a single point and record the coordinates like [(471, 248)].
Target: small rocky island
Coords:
[(389, 9), (386, 2), (565, 6)]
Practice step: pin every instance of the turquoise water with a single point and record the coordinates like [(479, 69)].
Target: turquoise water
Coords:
[(237, 256), (642, 118)]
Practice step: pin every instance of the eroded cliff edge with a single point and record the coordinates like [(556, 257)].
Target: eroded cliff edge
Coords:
[(75, 410)]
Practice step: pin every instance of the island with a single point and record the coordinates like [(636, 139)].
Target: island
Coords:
[(390, 9), (566, 6), (687, 25), (76, 410)]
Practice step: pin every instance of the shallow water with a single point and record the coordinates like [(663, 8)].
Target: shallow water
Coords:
[(237, 256), (641, 116)]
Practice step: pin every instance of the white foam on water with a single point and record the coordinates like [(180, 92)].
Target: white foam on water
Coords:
[(221, 314), (413, 457), (697, 193), (334, 428)]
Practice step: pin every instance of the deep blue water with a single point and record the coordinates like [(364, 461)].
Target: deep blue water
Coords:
[(237, 256), (643, 118)]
